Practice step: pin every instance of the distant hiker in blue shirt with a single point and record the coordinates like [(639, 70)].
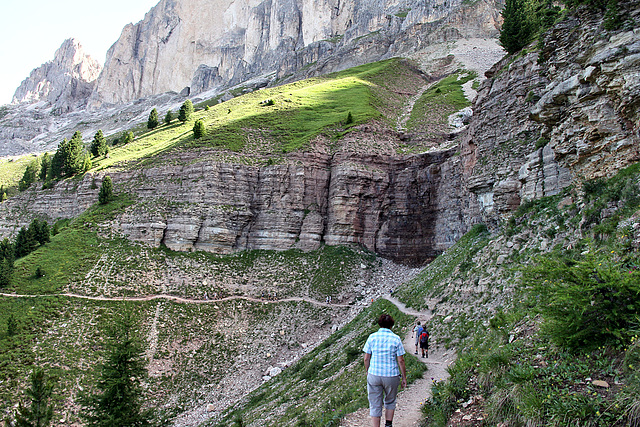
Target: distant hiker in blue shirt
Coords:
[(384, 364)]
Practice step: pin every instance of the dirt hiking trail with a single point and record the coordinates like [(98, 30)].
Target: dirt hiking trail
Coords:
[(410, 400)]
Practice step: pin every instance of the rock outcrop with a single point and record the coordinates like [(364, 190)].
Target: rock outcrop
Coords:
[(199, 45), (566, 113), (64, 83)]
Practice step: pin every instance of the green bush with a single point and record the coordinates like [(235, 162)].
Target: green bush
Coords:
[(199, 130), (586, 302)]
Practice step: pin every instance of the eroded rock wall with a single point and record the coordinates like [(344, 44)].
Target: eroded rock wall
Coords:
[(555, 116), (64, 83), (394, 206)]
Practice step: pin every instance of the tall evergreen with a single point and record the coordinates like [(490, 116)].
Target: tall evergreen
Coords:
[(99, 144), (45, 166), (39, 412), (29, 176), (168, 117), (106, 191), (118, 397), (75, 161), (57, 161), (153, 121), (185, 111), (517, 28), (199, 130)]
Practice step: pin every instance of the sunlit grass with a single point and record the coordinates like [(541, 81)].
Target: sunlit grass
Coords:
[(298, 112)]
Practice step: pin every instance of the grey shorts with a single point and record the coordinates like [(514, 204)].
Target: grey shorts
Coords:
[(377, 387)]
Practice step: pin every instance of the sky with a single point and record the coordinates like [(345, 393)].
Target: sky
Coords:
[(32, 30)]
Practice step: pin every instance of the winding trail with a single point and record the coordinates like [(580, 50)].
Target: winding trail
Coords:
[(179, 299), (410, 399)]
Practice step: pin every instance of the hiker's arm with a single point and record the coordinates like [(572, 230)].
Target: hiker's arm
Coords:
[(403, 370), (367, 359)]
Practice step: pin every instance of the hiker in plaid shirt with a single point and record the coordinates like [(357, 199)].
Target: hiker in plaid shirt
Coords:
[(384, 363)]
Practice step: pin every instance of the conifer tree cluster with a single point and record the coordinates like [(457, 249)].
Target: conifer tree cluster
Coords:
[(71, 158), (7, 256), (27, 240)]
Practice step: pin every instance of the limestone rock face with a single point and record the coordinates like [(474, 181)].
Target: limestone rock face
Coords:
[(199, 45), (403, 207), (551, 117), (65, 83)]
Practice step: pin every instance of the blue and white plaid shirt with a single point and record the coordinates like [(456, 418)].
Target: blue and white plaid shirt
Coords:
[(384, 347)]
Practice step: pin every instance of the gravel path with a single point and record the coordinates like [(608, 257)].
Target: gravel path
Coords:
[(410, 399)]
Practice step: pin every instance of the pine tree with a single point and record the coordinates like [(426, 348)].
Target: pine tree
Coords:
[(40, 412), (75, 159), (517, 28), (168, 117), (153, 122), (45, 167), (127, 138), (57, 161), (119, 394), (29, 176), (199, 129), (99, 144), (185, 111), (25, 242), (106, 191)]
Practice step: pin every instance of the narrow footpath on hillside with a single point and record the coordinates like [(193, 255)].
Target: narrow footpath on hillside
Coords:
[(178, 299), (410, 400)]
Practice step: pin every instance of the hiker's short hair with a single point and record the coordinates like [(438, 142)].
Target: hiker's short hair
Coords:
[(418, 322), (386, 321)]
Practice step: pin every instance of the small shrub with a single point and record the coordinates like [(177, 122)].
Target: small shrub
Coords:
[(106, 191), (199, 129), (349, 118)]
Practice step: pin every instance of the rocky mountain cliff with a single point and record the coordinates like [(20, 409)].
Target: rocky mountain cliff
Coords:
[(64, 83), (556, 116), (191, 46)]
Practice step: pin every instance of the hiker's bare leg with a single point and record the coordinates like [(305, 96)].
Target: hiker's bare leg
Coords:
[(375, 421), (388, 414)]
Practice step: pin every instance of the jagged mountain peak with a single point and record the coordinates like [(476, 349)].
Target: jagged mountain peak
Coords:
[(64, 82)]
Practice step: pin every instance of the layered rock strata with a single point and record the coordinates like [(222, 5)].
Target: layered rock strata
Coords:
[(403, 208), (551, 117)]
